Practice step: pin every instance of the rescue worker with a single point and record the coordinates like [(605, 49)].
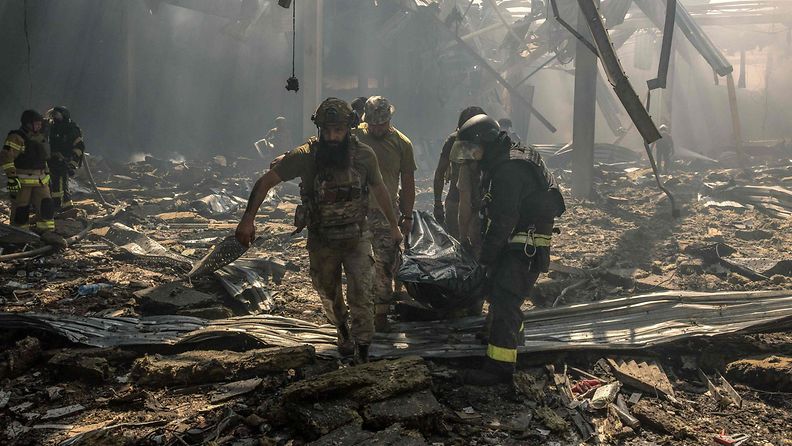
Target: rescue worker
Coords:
[(338, 174), (522, 200), (448, 215), (24, 159), (359, 107), (664, 150), (277, 141), (397, 164), (68, 149), (506, 126)]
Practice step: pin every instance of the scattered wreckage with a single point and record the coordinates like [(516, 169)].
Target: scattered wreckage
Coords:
[(155, 327)]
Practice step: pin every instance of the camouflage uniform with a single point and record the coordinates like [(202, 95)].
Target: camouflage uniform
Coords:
[(395, 157), (334, 208)]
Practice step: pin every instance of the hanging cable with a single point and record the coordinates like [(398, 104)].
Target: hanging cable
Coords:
[(292, 83), (27, 41)]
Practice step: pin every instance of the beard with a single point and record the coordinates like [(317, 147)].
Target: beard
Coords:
[(334, 155)]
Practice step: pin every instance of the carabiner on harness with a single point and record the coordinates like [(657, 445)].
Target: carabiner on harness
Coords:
[(529, 241)]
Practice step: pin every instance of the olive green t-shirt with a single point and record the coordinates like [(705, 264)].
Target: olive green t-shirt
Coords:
[(300, 162), (395, 155)]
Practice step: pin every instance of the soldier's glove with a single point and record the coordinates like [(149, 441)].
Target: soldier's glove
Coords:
[(439, 212), (14, 185), (72, 168)]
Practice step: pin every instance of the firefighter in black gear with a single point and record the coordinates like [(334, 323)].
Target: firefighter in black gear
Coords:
[(68, 150), (521, 199), (24, 160)]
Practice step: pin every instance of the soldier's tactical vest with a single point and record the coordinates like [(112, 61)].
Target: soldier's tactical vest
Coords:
[(35, 154), (340, 203)]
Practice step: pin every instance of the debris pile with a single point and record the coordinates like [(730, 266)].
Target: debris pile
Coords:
[(154, 328)]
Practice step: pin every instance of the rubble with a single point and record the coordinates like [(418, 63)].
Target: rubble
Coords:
[(646, 376), (18, 360), (198, 367), (202, 381), (80, 365), (772, 373), (172, 298), (660, 420)]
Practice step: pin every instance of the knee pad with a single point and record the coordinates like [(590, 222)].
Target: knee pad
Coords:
[(21, 215), (47, 209)]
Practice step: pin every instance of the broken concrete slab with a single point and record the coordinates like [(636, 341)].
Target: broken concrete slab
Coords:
[(660, 420), (16, 361), (170, 298), (350, 434), (317, 419), (353, 435), (418, 410), (366, 383), (772, 373), (77, 366), (198, 367)]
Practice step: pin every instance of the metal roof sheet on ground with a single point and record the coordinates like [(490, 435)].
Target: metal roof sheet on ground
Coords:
[(622, 323)]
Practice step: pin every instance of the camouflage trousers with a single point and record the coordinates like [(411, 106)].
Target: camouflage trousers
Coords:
[(356, 259), (386, 253)]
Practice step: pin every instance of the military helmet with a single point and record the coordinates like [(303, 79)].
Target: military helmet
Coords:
[(378, 110), (30, 116), (333, 111), (479, 129)]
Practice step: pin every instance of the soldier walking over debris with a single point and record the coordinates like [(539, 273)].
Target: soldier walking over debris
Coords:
[(664, 150), (397, 163), (521, 202), (24, 159), (448, 216), (68, 150), (338, 173)]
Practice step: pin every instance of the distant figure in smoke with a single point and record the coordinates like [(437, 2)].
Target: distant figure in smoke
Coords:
[(68, 150), (664, 150), (506, 126), (359, 107), (277, 141)]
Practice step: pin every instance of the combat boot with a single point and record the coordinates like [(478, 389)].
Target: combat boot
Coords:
[(345, 345), (361, 354)]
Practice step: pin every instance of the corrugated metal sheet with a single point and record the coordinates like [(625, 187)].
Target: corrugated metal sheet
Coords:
[(622, 323)]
